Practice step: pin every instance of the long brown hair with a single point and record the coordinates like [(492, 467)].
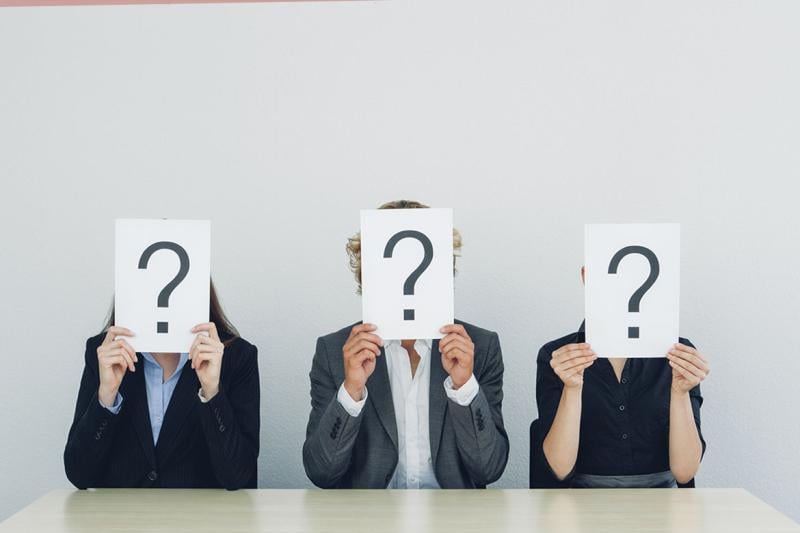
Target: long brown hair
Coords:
[(227, 331)]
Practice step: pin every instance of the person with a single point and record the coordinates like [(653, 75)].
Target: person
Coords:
[(619, 422), (186, 420), (415, 413)]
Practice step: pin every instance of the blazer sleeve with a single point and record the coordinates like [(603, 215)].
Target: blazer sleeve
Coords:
[(480, 434), (91, 435), (331, 431), (231, 423)]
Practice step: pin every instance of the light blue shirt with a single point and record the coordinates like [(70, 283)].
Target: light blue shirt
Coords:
[(159, 392)]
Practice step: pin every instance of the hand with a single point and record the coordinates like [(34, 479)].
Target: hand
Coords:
[(569, 362), (360, 354), (689, 367), (458, 354), (206, 356), (114, 357)]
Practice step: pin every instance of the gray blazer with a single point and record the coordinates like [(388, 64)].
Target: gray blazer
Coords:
[(469, 445)]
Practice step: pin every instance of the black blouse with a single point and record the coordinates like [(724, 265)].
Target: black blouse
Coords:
[(624, 423)]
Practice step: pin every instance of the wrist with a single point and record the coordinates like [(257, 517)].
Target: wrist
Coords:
[(458, 382), (355, 391), (209, 392), (106, 395), (678, 392)]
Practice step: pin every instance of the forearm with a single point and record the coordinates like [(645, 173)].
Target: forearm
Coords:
[(561, 443), (480, 438), (328, 448), (232, 442), (88, 444), (685, 447)]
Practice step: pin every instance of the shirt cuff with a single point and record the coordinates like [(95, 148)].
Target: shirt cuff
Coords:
[(463, 395), (114, 409), (352, 407)]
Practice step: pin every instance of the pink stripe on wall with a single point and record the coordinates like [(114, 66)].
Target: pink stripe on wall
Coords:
[(24, 3)]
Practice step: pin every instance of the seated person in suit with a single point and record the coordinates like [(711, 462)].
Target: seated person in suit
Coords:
[(185, 420), (619, 422), (417, 413)]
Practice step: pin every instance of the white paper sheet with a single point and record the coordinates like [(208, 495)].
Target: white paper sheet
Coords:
[(614, 326)]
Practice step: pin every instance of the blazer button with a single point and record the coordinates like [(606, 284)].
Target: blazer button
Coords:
[(152, 476), (97, 436), (333, 434), (222, 428)]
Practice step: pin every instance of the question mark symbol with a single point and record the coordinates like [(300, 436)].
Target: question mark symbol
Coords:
[(411, 280), (636, 297), (163, 296)]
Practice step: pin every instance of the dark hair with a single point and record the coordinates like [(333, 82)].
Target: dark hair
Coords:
[(227, 331)]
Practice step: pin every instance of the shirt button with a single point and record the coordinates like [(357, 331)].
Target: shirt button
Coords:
[(621, 407), (624, 436)]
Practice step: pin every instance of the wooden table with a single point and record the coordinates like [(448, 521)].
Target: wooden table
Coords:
[(412, 511)]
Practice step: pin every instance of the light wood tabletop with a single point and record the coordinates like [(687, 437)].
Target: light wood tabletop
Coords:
[(413, 511)]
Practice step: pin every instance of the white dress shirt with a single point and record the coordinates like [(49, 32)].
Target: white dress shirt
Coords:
[(411, 399)]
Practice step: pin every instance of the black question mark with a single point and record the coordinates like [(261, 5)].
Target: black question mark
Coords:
[(163, 296), (636, 297), (411, 280)]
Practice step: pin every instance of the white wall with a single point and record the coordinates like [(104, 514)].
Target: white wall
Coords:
[(280, 121)]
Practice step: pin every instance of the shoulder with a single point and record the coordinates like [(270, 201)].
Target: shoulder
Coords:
[(335, 340), (239, 353), (546, 351), (92, 343)]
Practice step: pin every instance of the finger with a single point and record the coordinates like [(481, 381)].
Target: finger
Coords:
[(195, 344), (208, 348), (689, 358), (454, 353), (112, 360), (683, 349), (572, 354), (459, 344), (362, 327), (204, 340), (572, 363), (458, 329), (453, 337), (371, 337), (688, 376), (571, 348), (364, 345), (117, 331), (130, 350), (676, 361), (208, 327), (576, 370), (359, 358)]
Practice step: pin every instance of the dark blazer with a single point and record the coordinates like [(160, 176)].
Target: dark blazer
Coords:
[(200, 445), (469, 445)]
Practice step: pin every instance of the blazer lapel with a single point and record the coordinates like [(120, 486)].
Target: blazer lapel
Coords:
[(184, 399), (437, 400), (380, 394), (135, 395)]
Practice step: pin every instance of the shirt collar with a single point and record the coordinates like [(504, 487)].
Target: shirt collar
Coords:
[(396, 342), (148, 358)]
